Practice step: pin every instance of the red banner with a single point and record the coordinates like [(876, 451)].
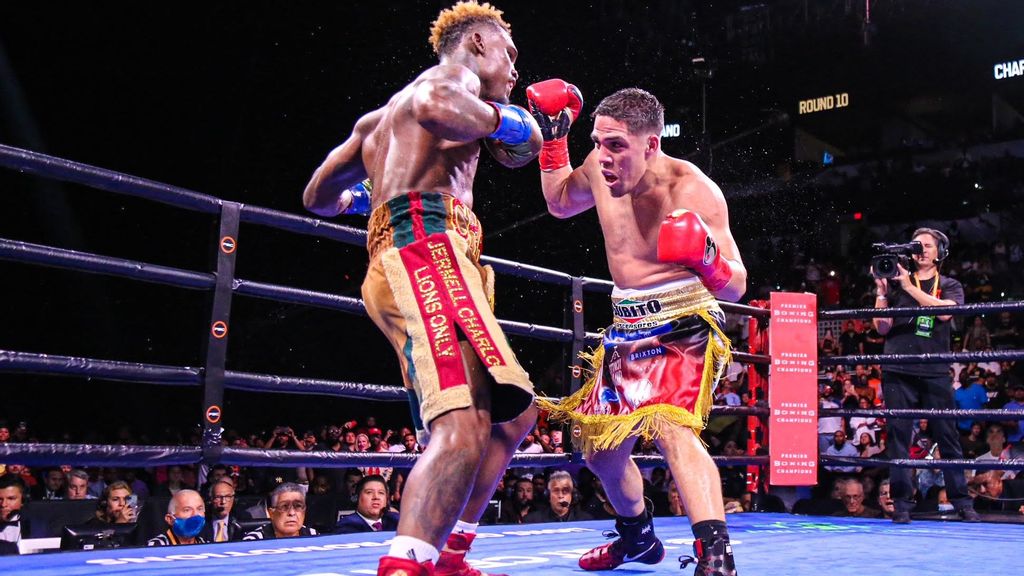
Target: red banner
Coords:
[(793, 390)]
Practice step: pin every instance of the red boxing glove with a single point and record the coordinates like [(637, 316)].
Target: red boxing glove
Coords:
[(555, 104), (685, 239)]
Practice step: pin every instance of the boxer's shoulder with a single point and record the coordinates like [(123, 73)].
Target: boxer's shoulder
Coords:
[(455, 73)]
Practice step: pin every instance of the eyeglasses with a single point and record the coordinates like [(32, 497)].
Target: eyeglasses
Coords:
[(287, 507)]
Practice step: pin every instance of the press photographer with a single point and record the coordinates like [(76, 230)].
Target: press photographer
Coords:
[(924, 386)]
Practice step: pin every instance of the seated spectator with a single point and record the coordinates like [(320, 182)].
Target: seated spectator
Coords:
[(139, 486), (675, 502), (529, 445), (1015, 428), (372, 514), (52, 486), (175, 482), (1005, 335), (885, 502), (562, 502), (349, 496), (928, 477), (863, 424), (851, 341), (973, 444), (222, 524), (12, 527), (998, 450), (598, 505), (970, 396), (186, 517), (840, 447), (217, 473), (867, 446), (78, 486), (112, 507), (851, 492), (987, 489), (287, 515), (522, 503), (977, 337)]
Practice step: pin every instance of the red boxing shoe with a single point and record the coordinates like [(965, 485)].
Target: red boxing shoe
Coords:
[(647, 548), (392, 566), (453, 558)]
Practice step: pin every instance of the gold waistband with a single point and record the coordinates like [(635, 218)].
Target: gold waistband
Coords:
[(647, 310)]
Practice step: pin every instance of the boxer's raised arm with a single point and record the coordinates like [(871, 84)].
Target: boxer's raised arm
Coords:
[(556, 104), (342, 169), (449, 107)]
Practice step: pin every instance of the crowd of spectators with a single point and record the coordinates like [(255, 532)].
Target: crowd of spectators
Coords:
[(178, 505)]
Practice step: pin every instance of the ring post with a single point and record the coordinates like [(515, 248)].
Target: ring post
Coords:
[(217, 335)]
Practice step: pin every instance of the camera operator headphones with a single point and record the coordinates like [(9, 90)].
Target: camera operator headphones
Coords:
[(941, 241)]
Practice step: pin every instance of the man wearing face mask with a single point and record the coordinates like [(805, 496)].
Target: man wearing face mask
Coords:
[(562, 505), (924, 386), (186, 516)]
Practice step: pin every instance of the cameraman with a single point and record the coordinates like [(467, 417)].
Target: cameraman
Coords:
[(922, 386)]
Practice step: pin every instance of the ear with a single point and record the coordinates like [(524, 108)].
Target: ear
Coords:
[(474, 42), (169, 519), (653, 145)]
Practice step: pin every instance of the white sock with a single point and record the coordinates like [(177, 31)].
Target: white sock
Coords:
[(465, 527), (413, 548)]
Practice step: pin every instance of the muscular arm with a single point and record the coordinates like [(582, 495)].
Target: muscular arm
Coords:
[(448, 105), (715, 212), (342, 169), (568, 191)]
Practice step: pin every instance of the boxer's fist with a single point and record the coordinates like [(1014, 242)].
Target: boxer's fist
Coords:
[(555, 104), (685, 239), (515, 126), (357, 199)]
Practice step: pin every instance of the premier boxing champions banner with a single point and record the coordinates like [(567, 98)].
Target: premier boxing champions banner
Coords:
[(793, 393)]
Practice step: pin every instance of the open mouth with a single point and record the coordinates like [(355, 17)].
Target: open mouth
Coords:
[(609, 177)]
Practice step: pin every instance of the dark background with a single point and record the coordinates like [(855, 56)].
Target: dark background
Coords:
[(243, 100)]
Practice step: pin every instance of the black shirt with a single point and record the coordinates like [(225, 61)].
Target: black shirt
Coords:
[(903, 338)]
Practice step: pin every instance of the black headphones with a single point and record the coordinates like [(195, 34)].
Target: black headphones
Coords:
[(941, 241)]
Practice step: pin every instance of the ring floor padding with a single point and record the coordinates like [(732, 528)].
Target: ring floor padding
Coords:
[(764, 545)]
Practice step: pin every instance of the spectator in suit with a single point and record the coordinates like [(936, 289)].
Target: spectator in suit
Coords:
[(52, 486), (78, 486), (12, 527), (372, 514), (562, 505), (186, 518), (222, 524), (287, 515)]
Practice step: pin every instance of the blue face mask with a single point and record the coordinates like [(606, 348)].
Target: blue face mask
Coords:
[(188, 527)]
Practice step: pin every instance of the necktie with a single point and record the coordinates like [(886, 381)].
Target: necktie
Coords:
[(377, 526), (221, 536)]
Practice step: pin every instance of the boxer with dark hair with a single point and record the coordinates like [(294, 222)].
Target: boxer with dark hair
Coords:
[(425, 287), (671, 253)]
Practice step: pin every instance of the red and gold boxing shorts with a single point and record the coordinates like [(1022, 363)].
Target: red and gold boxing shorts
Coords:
[(658, 365), (426, 290)]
